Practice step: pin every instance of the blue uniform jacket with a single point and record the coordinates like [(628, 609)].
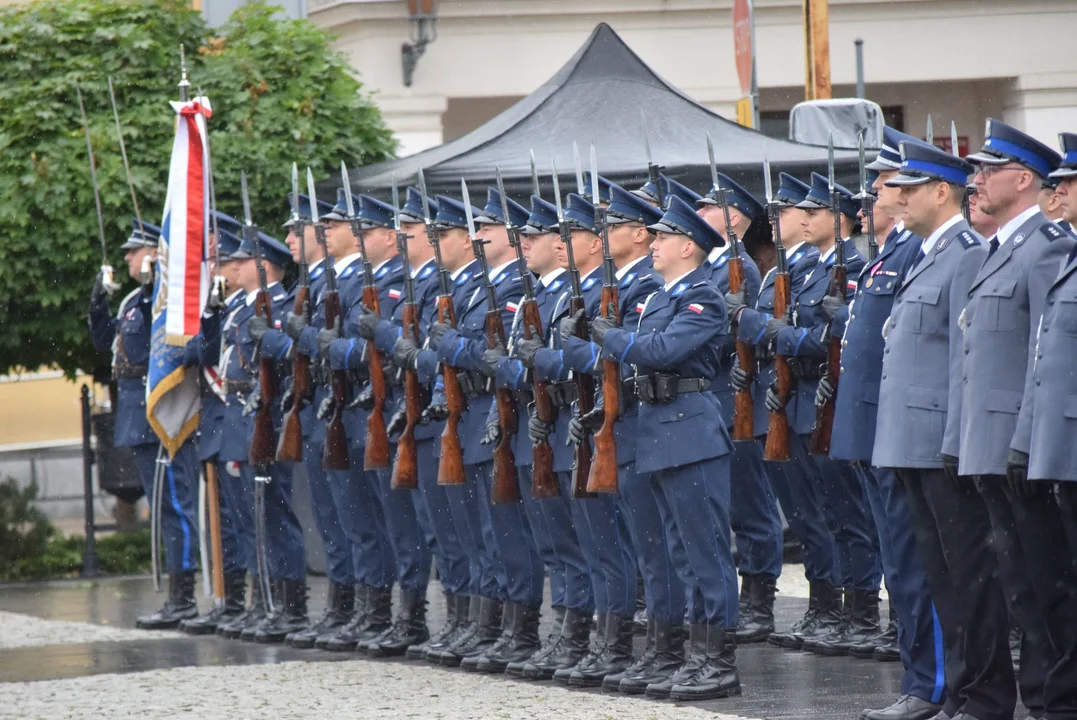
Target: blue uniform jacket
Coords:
[(752, 283), (680, 331), (807, 338), (130, 331), (857, 403), (211, 414)]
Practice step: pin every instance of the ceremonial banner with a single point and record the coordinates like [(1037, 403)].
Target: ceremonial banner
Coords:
[(182, 282)]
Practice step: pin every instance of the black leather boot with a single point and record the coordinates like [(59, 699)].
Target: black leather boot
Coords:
[(379, 617), (693, 659), (521, 642), (744, 600), (615, 657), (596, 648), (810, 618), (338, 611), (292, 616), (455, 618), (756, 622), (717, 677), (515, 668), (487, 631), (866, 650), (571, 647), (508, 612), (468, 626), (344, 638), (235, 591), (254, 614), (250, 629), (178, 607), (832, 625), (407, 630), (828, 617), (668, 658), (612, 682), (862, 624)]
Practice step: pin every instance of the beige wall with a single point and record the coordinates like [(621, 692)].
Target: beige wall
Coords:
[(40, 408)]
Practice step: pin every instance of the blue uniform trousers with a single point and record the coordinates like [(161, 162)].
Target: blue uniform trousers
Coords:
[(285, 547), (919, 633), (449, 553), (797, 485), (241, 507), (558, 546), (235, 550), (409, 543), (696, 497), (613, 560), (179, 504), (757, 525), (359, 508), (484, 567), (662, 583), (849, 519), (505, 527), (338, 560)]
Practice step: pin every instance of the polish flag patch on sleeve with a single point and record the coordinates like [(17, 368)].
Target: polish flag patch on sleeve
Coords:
[(511, 306), (394, 294), (696, 308), (850, 284), (639, 307)]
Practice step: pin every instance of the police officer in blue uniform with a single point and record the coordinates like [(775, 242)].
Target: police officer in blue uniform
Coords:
[(127, 337), (1002, 322), (235, 559), (757, 525), (675, 350)]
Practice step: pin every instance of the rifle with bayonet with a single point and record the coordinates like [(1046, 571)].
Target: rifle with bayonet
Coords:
[(654, 172), (585, 383), (376, 454), (335, 452), (504, 488), (290, 445), (824, 415), (603, 475), (543, 480), (536, 187), (867, 202), (743, 407), (776, 447), (451, 465), (406, 468)]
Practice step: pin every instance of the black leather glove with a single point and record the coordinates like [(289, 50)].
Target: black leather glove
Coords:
[(294, 324), (437, 331), (367, 322), (1017, 476), (571, 325), (492, 433), (774, 401), (602, 325), (253, 403), (734, 303), (326, 336), (434, 413), (526, 350), (537, 430), (365, 399), (582, 426), (397, 423), (738, 378), (830, 306), (405, 351), (99, 294), (577, 433), (257, 328), (962, 484), (773, 326), (491, 357), (824, 393), (325, 409)]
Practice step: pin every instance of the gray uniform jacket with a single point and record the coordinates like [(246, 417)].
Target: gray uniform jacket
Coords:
[(1005, 304), (1047, 424), (919, 410)]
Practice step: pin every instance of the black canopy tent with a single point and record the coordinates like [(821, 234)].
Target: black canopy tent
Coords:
[(597, 96)]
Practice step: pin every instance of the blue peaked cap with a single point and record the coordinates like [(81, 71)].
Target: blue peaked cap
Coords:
[(273, 250), (543, 217), (603, 187), (324, 209), (228, 243), (791, 192), (819, 197), (738, 197), (648, 192), (146, 237), (412, 211), (870, 176), (374, 212), (675, 189), (889, 157), (492, 214), (339, 211), (681, 218), (626, 207), (1068, 168), (1004, 144), (451, 213), (922, 163), (580, 213)]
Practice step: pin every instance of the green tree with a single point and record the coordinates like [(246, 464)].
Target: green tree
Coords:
[(279, 92)]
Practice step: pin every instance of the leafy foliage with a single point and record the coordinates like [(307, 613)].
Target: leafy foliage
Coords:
[(279, 93), (24, 529)]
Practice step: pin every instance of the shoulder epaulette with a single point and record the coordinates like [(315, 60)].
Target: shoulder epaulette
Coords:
[(968, 240), (589, 283), (347, 271), (426, 272), (1052, 231), (627, 280)]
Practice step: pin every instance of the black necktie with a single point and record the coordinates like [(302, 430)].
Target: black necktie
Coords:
[(992, 246)]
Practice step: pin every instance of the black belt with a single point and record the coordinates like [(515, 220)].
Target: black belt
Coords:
[(123, 372), (319, 375), (660, 389), (764, 352), (563, 394), (472, 383), (524, 396), (237, 387), (804, 369)]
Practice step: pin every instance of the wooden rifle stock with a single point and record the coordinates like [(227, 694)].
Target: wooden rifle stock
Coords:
[(406, 467), (603, 475), (451, 465), (505, 487), (290, 445), (743, 407), (824, 414), (263, 444), (777, 445), (335, 453), (585, 403), (377, 437), (543, 479)]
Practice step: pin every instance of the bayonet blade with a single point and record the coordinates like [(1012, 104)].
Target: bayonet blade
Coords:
[(766, 181), (396, 205), (347, 183), (930, 134), (536, 188), (863, 164), (295, 192), (426, 199), (467, 209), (246, 198), (646, 137), (712, 165), (313, 199), (580, 187), (953, 140), (504, 198), (557, 193), (830, 161), (596, 196)]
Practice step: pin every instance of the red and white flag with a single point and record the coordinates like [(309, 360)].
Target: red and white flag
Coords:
[(696, 308)]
